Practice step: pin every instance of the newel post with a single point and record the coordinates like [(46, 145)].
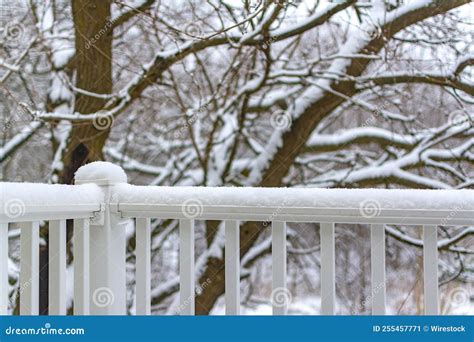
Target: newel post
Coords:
[(107, 242)]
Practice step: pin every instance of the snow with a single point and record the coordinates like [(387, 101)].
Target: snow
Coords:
[(61, 134), (63, 56), (130, 164), (216, 248), (346, 136), (261, 162), (298, 197), (99, 171), (22, 195), (58, 90), (309, 305), (25, 133)]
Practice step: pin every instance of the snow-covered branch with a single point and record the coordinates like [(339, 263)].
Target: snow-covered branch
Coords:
[(19, 139)]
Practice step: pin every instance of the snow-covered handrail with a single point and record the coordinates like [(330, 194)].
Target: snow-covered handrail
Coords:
[(22, 202), (299, 204), (102, 204)]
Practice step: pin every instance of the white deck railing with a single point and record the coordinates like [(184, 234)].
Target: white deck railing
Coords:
[(101, 203)]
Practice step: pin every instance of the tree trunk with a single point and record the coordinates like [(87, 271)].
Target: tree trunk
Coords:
[(93, 65), (93, 71)]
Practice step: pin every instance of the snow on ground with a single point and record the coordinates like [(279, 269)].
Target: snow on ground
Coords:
[(300, 306), (310, 305)]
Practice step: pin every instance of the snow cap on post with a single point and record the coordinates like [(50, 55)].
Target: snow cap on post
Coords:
[(100, 173)]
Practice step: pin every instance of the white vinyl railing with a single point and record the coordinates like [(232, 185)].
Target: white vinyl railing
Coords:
[(101, 203)]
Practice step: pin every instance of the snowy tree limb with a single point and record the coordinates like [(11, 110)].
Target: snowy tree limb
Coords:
[(19, 139)]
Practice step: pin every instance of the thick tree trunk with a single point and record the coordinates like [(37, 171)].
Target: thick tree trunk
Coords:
[(93, 65), (93, 71)]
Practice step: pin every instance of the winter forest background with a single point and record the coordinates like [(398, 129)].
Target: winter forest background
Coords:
[(293, 93)]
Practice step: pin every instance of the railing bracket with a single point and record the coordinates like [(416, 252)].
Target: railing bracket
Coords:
[(99, 217)]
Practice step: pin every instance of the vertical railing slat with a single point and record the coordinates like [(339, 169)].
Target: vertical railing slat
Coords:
[(3, 268), (280, 294), (81, 267), (186, 267), (29, 268), (328, 269), (377, 253), (143, 265), (430, 269), (57, 267), (232, 268)]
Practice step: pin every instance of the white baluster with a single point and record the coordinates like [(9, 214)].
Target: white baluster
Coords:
[(232, 268), (57, 267), (377, 253), (29, 268), (280, 294), (328, 269), (430, 269), (81, 267), (143, 267), (186, 267)]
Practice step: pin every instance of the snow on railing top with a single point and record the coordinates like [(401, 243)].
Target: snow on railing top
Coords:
[(32, 201), (100, 173), (298, 197), (36, 194), (442, 207)]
